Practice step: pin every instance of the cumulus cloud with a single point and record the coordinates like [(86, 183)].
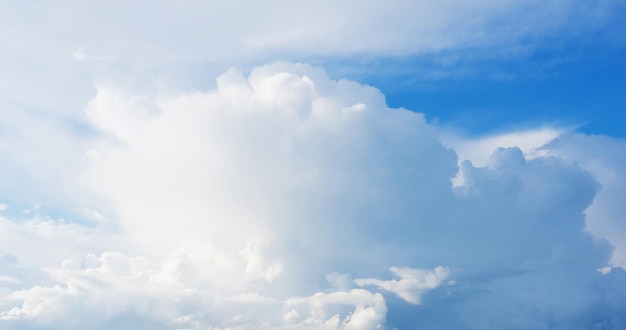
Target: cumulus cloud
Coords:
[(478, 150), (69, 239), (279, 198), (114, 290), (412, 283), (604, 158), (255, 204), (599, 155)]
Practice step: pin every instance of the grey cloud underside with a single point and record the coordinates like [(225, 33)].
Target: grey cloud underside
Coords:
[(604, 158), (284, 199)]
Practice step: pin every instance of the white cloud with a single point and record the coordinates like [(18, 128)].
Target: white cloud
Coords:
[(320, 311), (603, 157), (79, 54), (254, 205), (257, 264), (478, 150), (600, 155), (40, 233), (113, 289), (412, 283)]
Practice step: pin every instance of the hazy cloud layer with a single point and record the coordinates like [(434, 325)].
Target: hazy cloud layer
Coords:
[(55, 50), (201, 31), (284, 199)]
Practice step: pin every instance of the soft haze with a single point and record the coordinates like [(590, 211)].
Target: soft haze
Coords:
[(179, 165)]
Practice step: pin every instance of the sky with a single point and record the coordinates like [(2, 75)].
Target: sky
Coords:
[(313, 164)]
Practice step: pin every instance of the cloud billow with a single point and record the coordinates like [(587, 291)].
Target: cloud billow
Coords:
[(283, 199)]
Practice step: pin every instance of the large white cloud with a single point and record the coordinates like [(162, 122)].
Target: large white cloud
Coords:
[(280, 199), (284, 154)]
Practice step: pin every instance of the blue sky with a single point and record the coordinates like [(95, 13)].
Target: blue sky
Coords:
[(579, 84), (312, 165)]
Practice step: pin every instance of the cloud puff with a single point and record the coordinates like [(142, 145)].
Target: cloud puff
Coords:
[(114, 290), (604, 158), (79, 54), (255, 204), (412, 282)]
